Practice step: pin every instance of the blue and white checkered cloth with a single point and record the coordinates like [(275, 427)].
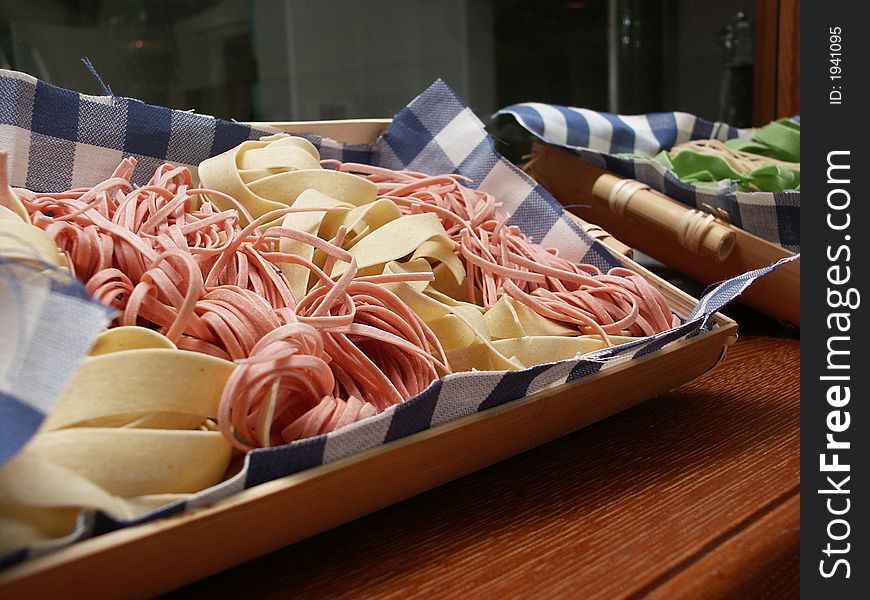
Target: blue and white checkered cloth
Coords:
[(47, 324), (436, 133), (598, 136)]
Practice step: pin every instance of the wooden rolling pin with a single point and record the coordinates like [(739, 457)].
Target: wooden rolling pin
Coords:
[(695, 230)]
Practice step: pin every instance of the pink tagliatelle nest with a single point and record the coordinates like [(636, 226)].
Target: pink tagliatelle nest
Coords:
[(346, 350), (501, 259)]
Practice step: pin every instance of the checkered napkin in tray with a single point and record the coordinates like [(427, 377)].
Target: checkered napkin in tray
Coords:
[(597, 137), (60, 139)]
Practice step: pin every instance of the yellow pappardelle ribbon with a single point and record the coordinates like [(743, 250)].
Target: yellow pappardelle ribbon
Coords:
[(133, 431), (508, 336), (272, 172), (22, 242)]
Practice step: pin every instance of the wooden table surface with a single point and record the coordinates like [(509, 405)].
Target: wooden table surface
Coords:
[(690, 495)]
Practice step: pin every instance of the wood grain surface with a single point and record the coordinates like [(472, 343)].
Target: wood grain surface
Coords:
[(777, 60), (766, 58), (788, 64), (690, 495)]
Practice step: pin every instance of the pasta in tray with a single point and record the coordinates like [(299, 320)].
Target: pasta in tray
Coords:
[(280, 299)]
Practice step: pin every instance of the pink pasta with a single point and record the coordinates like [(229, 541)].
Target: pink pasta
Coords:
[(347, 349)]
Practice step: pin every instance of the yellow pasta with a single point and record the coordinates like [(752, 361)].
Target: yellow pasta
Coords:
[(131, 432)]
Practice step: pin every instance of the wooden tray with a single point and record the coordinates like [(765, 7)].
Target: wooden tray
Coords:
[(571, 180), (148, 559)]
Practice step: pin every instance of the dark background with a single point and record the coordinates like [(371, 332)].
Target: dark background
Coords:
[(328, 59)]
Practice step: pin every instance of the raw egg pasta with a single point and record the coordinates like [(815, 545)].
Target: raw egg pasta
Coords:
[(279, 298)]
